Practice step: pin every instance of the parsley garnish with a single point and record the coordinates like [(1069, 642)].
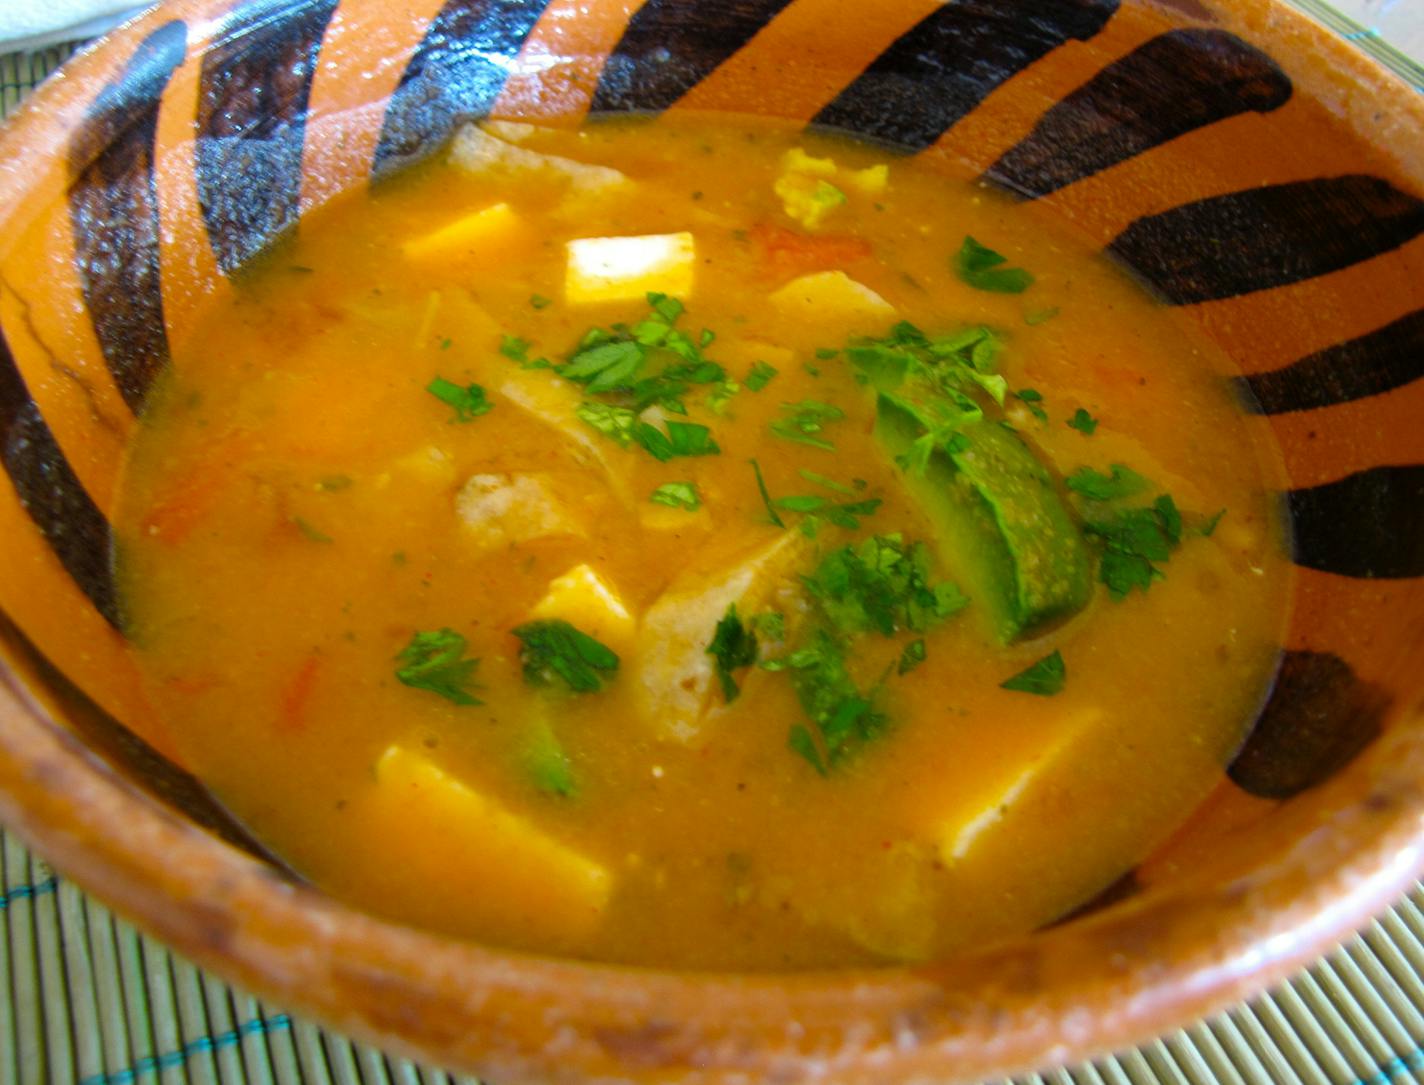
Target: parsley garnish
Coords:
[(1096, 486), (912, 656), (760, 376), (1210, 525), (681, 439), (434, 661), (310, 532), (770, 624), (1041, 316), (546, 761), (553, 647), (801, 742), (676, 495), (1043, 679), (606, 366), (468, 401), (766, 496), (829, 483), (842, 715), (539, 301), (611, 421), (515, 348), (1083, 422), (981, 267), (733, 646), (820, 508), (1033, 399), (883, 585), (1133, 540), (805, 420)]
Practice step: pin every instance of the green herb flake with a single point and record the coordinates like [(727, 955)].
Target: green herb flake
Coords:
[(614, 422), (546, 762), (1041, 316), (1083, 422), (1044, 679), (801, 742), (842, 715), (733, 646), (911, 657), (1096, 486), (469, 401), (770, 624), (829, 483), (681, 439), (766, 496), (1032, 399), (333, 483), (554, 648), (884, 585), (1208, 528), (435, 661), (676, 495), (310, 532), (825, 354), (515, 348), (539, 301), (982, 268), (804, 422), (760, 376)]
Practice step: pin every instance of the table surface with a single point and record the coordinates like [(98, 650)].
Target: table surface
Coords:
[(87, 999)]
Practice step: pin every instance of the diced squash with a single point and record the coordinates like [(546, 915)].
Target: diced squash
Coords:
[(831, 297), (627, 268), (674, 677), (503, 509), (583, 598), (986, 824), (486, 234), (527, 881)]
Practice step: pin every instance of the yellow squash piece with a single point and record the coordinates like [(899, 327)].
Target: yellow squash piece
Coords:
[(493, 232), (585, 599)]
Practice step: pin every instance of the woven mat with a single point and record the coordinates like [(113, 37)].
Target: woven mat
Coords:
[(87, 1000)]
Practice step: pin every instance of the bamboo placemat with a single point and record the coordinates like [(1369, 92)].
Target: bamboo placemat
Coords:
[(85, 999)]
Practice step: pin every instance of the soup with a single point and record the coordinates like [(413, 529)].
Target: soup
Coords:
[(701, 544)]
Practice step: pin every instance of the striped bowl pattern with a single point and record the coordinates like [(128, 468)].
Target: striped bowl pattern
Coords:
[(1246, 168)]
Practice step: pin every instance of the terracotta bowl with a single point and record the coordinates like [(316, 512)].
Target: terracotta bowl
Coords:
[(1253, 171)]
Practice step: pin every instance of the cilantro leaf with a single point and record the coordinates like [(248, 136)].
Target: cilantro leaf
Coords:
[(801, 742), (1043, 679), (681, 439), (842, 715), (828, 483), (1033, 399), (605, 366), (981, 267), (1096, 486), (1208, 528), (434, 661), (771, 624), (1133, 540), (733, 646), (515, 348), (766, 496), (760, 376), (1083, 422), (912, 656), (881, 584), (539, 301), (676, 495), (614, 422), (805, 420), (468, 401), (310, 531), (554, 648), (1041, 316)]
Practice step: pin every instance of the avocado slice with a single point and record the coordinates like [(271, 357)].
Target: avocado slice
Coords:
[(1000, 523)]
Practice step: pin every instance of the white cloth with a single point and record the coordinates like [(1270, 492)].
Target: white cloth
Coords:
[(30, 24)]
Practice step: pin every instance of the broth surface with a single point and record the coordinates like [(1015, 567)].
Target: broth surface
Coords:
[(299, 506)]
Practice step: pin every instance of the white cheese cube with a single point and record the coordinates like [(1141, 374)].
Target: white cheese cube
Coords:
[(503, 509), (627, 268)]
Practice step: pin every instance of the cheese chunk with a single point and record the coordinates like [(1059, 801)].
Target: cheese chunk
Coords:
[(628, 268), (674, 677), (584, 599), (502, 509), (831, 297), (492, 232), (523, 881)]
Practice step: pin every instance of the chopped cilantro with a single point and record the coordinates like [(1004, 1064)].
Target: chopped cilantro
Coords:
[(1083, 422), (681, 439), (981, 268), (1033, 400), (1096, 486), (912, 656), (825, 354), (469, 401), (332, 483), (434, 661), (310, 532), (1041, 316), (760, 376), (539, 301), (882, 584), (546, 761), (614, 422), (446, 343), (801, 742), (606, 366), (733, 646), (553, 647), (829, 483), (843, 716), (844, 515), (770, 624), (676, 495), (766, 496), (1043, 679), (721, 396), (1209, 527), (515, 348), (805, 420), (1133, 541)]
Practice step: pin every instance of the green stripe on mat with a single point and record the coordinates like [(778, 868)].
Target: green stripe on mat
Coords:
[(87, 1000)]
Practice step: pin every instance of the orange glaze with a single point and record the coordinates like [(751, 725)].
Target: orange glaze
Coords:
[(290, 518)]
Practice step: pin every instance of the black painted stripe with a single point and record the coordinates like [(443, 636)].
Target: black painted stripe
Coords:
[(940, 70), (113, 212), (252, 108), (1224, 246), (52, 494), (1386, 358), (670, 46), (1318, 718), (1173, 84), (455, 75), (1369, 524)]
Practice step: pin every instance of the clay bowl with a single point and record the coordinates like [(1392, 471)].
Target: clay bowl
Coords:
[(1253, 171)]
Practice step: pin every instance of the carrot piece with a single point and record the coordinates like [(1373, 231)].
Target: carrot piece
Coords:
[(786, 252), (292, 705)]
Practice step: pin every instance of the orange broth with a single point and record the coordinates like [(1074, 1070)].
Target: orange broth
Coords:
[(297, 507)]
